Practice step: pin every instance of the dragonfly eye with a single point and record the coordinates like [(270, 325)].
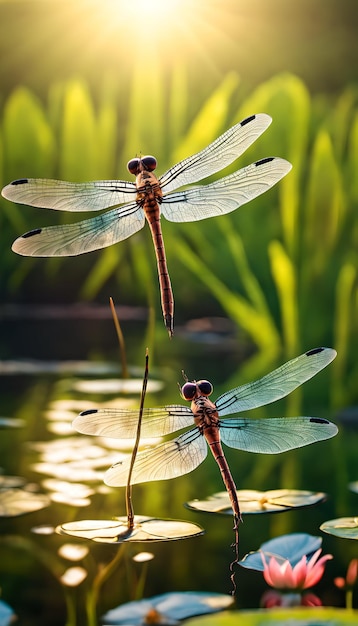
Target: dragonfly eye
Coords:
[(149, 162), (205, 387), (188, 391), (133, 166)]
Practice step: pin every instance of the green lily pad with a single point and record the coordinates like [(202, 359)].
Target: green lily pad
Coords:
[(117, 530), (344, 527), (253, 501)]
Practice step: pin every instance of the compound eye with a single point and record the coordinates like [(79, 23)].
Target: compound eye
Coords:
[(188, 391), (149, 162), (133, 166), (205, 387)]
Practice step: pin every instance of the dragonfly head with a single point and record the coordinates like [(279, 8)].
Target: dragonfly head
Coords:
[(139, 164), (191, 390)]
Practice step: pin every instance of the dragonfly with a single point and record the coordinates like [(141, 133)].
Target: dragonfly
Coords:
[(183, 454), (146, 199)]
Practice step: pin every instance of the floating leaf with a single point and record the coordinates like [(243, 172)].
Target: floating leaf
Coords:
[(117, 530), (168, 608), (290, 547), (253, 501), (345, 527), (15, 502)]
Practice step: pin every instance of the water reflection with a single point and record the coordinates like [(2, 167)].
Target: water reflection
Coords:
[(47, 450)]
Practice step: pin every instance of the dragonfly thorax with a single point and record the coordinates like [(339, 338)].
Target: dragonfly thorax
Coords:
[(205, 412)]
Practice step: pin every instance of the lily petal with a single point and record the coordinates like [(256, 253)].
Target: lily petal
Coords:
[(300, 573), (316, 573)]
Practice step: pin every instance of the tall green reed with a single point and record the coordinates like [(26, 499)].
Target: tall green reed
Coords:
[(282, 268)]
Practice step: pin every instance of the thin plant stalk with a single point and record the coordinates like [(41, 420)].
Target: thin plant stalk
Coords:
[(349, 599), (122, 346), (129, 505)]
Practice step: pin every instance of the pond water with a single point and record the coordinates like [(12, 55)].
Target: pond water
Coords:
[(55, 367)]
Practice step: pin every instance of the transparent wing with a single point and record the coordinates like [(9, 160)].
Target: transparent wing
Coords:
[(277, 384), (167, 460), (223, 151), (224, 195), (122, 423), (276, 434), (63, 196), (73, 239)]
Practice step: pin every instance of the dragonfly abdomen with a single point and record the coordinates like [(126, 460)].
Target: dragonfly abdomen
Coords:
[(152, 214), (212, 436)]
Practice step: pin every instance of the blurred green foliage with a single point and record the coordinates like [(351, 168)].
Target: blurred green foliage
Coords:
[(283, 268)]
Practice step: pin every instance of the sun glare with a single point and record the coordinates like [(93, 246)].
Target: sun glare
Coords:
[(143, 15), (143, 21)]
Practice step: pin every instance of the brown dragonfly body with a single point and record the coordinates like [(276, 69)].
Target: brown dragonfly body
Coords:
[(149, 196), (206, 418)]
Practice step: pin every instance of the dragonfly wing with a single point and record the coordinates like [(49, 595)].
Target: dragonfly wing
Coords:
[(225, 195), (92, 234), (167, 460), (223, 151), (276, 434), (123, 423), (277, 384), (63, 196)]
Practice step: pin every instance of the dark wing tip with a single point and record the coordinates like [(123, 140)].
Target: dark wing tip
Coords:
[(319, 420), (89, 412), (314, 351), (265, 160), (20, 181), (247, 120), (31, 233)]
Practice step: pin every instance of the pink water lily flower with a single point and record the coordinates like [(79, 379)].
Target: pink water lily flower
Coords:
[(306, 573)]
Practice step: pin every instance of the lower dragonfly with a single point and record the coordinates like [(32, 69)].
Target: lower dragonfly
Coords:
[(147, 199), (183, 454)]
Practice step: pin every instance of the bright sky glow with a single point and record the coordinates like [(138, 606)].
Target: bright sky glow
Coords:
[(143, 22), (150, 11)]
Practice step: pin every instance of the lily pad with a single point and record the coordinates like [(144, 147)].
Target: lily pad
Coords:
[(14, 502), (117, 530), (344, 527), (290, 547), (168, 608), (253, 501)]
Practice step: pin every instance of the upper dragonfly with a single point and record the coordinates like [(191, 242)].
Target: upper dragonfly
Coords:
[(183, 454), (147, 198)]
